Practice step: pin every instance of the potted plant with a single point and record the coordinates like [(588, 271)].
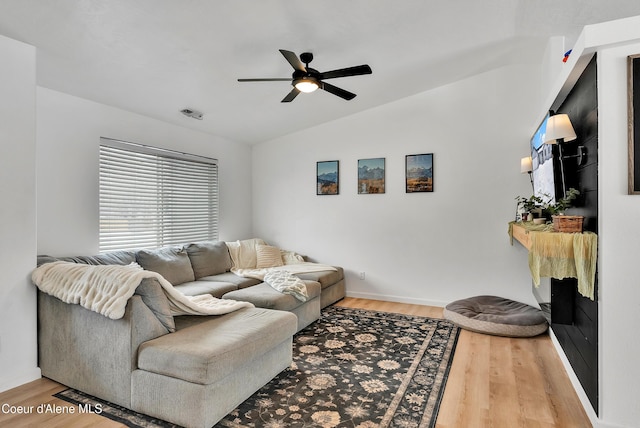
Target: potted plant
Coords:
[(561, 222), (561, 205), (529, 205)]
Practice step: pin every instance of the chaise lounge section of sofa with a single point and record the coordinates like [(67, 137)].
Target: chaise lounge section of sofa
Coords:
[(189, 370)]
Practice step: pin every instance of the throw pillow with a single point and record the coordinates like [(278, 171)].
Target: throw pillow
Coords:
[(291, 257), (170, 262), (209, 258), (267, 256), (243, 253), (287, 283)]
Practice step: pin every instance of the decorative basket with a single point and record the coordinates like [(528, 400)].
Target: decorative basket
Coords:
[(567, 223)]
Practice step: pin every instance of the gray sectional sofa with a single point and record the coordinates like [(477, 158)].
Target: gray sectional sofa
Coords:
[(190, 370)]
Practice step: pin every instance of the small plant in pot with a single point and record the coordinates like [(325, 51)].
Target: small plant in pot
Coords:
[(561, 222), (561, 205), (532, 204)]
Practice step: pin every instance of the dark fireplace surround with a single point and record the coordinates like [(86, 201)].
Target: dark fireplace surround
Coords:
[(574, 318)]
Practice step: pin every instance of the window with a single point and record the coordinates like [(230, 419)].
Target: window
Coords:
[(152, 197)]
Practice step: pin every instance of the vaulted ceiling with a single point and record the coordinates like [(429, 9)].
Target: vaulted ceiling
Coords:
[(156, 57)]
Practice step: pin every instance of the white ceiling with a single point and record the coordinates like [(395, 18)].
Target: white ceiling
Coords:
[(156, 57)]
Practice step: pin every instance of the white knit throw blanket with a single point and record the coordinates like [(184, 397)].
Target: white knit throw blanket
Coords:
[(105, 289), (296, 268)]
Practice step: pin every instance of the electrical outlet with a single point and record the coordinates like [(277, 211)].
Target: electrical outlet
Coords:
[(362, 275)]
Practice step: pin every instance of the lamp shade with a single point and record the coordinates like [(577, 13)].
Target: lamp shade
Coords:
[(559, 128), (525, 165)]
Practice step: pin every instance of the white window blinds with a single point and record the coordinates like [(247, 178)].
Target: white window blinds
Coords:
[(152, 197)]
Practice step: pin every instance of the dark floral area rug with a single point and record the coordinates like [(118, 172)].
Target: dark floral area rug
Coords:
[(352, 368), (112, 411)]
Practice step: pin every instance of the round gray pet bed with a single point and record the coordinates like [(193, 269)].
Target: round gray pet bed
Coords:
[(496, 316)]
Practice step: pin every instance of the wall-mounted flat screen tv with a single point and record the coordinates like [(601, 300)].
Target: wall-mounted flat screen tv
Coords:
[(542, 164)]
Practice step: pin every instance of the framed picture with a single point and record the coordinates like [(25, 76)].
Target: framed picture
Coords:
[(370, 176), (327, 176), (633, 109), (419, 173)]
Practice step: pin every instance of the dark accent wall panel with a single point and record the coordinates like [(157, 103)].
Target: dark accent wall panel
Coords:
[(574, 318)]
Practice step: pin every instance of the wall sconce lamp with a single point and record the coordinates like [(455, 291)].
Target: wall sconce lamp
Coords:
[(526, 166), (559, 131)]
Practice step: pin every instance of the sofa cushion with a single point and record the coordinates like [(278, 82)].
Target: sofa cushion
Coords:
[(265, 296), (204, 350), (243, 252), (268, 256), (215, 288), (170, 262), (123, 257), (291, 257), (231, 277), (325, 277), (209, 258)]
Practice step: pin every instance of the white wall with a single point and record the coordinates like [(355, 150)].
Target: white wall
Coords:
[(428, 248), (18, 348), (619, 283), (69, 131)]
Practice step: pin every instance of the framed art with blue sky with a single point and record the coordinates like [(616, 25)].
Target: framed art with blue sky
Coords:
[(371, 175), (419, 173), (327, 177)]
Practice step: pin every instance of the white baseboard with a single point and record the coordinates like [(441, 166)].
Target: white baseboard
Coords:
[(20, 379), (398, 299), (601, 424)]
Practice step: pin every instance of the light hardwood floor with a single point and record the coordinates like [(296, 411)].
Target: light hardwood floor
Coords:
[(494, 382), (500, 382)]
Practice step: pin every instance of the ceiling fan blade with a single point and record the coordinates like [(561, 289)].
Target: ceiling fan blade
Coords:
[(291, 95), (345, 72), (337, 91), (275, 79), (293, 60)]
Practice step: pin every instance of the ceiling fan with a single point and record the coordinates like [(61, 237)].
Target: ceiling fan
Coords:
[(307, 79)]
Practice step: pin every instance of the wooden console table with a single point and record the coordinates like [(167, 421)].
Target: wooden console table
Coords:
[(559, 255)]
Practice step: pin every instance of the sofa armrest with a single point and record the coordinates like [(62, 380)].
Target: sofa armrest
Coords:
[(156, 300), (90, 352)]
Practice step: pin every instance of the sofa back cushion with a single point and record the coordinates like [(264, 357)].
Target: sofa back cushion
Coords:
[(209, 258), (243, 253), (123, 257), (171, 262)]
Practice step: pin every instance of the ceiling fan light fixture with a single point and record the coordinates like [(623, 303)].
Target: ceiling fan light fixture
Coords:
[(306, 84), (307, 79)]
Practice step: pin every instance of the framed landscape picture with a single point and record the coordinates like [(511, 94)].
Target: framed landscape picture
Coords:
[(371, 175), (327, 176), (419, 173)]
